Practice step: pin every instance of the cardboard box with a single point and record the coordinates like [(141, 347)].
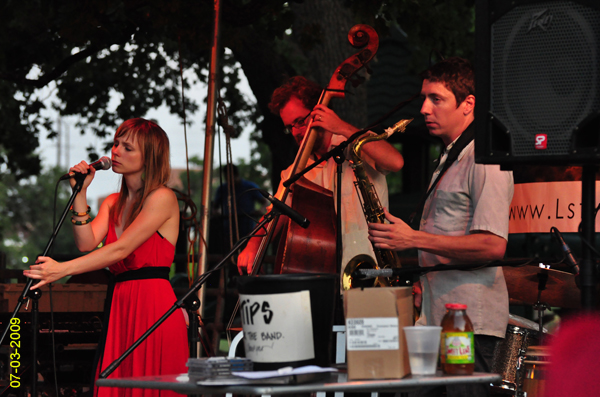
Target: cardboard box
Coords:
[(65, 297), (375, 342)]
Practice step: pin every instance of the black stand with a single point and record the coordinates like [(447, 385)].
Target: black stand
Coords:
[(337, 151), (35, 295), (338, 308), (192, 304), (400, 271), (339, 159), (540, 306), (189, 295), (588, 273)]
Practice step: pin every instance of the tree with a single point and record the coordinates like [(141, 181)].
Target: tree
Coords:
[(27, 211), (110, 61), (91, 52)]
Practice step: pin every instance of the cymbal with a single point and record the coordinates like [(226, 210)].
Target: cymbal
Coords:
[(561, 290)]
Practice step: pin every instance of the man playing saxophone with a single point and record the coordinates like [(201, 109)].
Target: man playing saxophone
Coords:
[(295, 103), (465, 219)]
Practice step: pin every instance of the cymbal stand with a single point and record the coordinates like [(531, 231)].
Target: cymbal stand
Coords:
[(540, 306)]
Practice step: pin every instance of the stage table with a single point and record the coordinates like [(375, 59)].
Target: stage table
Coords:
[(335, 382)]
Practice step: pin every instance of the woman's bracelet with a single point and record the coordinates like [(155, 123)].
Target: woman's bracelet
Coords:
[(80, 213), (79, 223)]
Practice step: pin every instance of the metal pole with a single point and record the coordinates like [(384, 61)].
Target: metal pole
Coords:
[(588, 233), (211, 110)]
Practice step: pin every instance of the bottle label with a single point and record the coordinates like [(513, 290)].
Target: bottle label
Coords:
[(459, 347)]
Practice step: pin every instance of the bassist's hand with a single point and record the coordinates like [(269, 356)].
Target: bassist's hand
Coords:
[(246, 257)]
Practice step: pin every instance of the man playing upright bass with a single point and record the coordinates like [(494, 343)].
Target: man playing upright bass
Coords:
[(296, 103)]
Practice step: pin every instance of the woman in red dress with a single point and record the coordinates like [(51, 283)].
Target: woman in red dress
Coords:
[(139, 225)]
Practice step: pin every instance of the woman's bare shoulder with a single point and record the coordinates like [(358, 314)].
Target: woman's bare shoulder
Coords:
[(161, 196), (111, 199)]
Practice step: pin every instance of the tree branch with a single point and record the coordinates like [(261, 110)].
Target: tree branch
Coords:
[(55, 73)]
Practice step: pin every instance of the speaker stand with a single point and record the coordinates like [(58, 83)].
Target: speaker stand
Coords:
[(588, 236)]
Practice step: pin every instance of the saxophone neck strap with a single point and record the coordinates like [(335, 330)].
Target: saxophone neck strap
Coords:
[(463, 140)]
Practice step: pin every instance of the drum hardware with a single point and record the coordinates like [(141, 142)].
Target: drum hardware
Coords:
[(525, 323), (510, 358), (560, 289), (539, 306), (519, 376), (535, 360), (515, 381)]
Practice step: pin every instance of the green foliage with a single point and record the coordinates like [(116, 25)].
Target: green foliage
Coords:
[(96, 54), (257, 169), (446, 27), (194, 193), (20, 122), (110, 61), (433, 27), (241, 109), (26, 213)]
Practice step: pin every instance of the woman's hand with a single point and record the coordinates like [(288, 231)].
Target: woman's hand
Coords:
[(85, 169), (47, 270)]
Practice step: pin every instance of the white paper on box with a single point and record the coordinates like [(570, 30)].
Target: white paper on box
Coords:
[(372, 333), (277, 327)]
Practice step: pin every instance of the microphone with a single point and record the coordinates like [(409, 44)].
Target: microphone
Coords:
[(372, 273), (286, 210), (103, 163), (568, 254)]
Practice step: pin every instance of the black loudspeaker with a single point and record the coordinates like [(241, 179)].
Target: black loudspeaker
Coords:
[(537, 76)]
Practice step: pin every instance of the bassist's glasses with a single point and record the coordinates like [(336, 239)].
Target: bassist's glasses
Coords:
[(298, 123)]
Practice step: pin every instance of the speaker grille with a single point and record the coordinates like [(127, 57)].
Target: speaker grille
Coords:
[(545, 73)]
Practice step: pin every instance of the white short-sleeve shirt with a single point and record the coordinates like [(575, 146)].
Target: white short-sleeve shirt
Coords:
[(469, 198)]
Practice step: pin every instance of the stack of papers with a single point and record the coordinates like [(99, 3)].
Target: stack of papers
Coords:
[(282, 376)]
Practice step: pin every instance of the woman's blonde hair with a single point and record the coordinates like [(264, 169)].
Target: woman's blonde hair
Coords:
[(154, 144)]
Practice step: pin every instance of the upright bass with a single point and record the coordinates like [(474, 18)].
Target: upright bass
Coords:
[(319, 240)]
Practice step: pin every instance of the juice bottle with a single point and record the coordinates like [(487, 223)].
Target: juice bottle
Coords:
[(457, 343)]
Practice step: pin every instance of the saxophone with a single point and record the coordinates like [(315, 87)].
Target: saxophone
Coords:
[(374, 213)]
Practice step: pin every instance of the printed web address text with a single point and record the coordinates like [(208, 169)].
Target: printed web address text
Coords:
[(563, 210)]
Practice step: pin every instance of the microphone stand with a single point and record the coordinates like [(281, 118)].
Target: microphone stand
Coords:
[(399, 272), (336, 151), (339, 157), (35, 295), (193, 290)]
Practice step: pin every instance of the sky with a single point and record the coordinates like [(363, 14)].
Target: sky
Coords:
[(73, 145)]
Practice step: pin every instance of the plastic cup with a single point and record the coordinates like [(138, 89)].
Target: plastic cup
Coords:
[(423, 344)]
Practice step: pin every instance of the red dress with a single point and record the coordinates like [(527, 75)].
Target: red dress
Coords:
[(136, 305)]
